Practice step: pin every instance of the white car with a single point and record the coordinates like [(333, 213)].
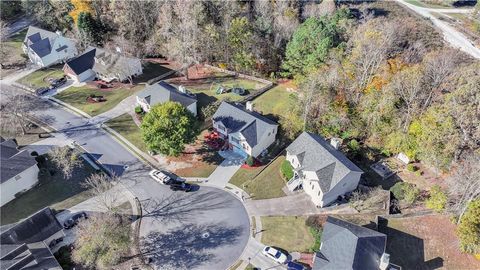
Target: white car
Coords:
[(162, 177), (275, 254)]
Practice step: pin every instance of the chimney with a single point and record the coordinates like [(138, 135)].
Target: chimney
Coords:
[(384, 261), (182, 89), (249, 106), (58, 32), (335, 142)]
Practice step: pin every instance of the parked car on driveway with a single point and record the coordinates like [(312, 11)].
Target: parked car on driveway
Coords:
[(165, 178), (181, 186), (295, 266), (275, 254), (58, 82), (54, 242), (73, 220), (42, 90)]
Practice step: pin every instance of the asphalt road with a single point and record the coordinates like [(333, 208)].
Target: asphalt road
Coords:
[(205, 229), (450, 34)]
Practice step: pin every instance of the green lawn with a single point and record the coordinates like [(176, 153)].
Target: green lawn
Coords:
[(276, 101), (268, 184), (55, 191), (206, 88), (39, 78), (125, 125), (288, 233), (14, 56), (77, 97)]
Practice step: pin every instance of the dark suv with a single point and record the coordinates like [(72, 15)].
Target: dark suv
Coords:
[(181, 186), (73, 220)]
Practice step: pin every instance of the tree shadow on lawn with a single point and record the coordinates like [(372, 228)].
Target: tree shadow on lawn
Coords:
[(406, 250), (189, 246), (182, 207)]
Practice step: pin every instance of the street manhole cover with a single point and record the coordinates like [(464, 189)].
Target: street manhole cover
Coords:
[(205, 235)]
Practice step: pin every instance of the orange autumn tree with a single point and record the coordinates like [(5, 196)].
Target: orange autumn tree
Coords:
[(79, 7)]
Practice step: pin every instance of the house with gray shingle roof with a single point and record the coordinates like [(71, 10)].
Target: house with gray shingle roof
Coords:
[(322, 171), (348, 246), (246, 131), (162, 92), (25, 244), (45, 48), (18, 171)]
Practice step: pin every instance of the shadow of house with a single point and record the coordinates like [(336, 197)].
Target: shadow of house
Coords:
[(189, 246), (204, 100), (406, 250)]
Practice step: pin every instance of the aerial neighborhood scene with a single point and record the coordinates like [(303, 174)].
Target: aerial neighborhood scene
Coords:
[(240, 134)]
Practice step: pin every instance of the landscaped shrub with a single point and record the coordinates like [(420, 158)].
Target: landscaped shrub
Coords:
[(437, 199), (317, 235), (41, 160), (34, 154), (397, 190), (411, 193), (411, 168), (286, 169), (354, 147), (138, 110), (250, 161), (64, 257)]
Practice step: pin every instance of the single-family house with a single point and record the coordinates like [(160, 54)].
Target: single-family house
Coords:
[(104, 65), (80, 68), (345, 245), (25, 244), (246, 131), (111, 66), (162, 92), (45, 48), (320, 169), (18, 171)]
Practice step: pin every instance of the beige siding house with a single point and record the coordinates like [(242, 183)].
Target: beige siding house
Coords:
[(18, 170), (322, 171)]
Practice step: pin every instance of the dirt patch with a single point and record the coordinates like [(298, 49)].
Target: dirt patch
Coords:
[(198, 159), (426, 242)]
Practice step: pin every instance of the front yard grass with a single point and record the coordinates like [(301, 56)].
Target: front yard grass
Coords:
[(39, 78), (54, 191), (15, 56), (206, 88), (276, 102), (268, 184), (287, 232), (77, 97), (125, 125)]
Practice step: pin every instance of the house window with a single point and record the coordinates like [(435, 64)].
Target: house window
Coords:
[(268, 134), (18, 177), (221, 128), (245, 146), (318, 193), (312, 186), (235, 140)]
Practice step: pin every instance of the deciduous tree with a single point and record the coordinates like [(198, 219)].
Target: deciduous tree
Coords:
[(168, 127), (66, 159)]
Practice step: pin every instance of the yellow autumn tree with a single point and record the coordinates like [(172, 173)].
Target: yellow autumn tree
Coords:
[(79, 7)]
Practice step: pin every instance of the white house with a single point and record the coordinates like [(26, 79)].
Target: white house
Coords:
[(246, 131), (322, 171), (18, 171), (45, 48), (162, 92), (102, 64)]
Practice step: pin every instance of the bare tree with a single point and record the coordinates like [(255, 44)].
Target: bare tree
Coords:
[(66, 159), (464, 185), (15, 112), (101, 186)]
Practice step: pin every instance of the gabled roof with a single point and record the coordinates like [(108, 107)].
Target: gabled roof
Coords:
[(83, 62), (40, 40), (162, 92), (13, 161), (252, 125), (113, 63), (349, 246), (35, 228), (317, 155), (27, 256)]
